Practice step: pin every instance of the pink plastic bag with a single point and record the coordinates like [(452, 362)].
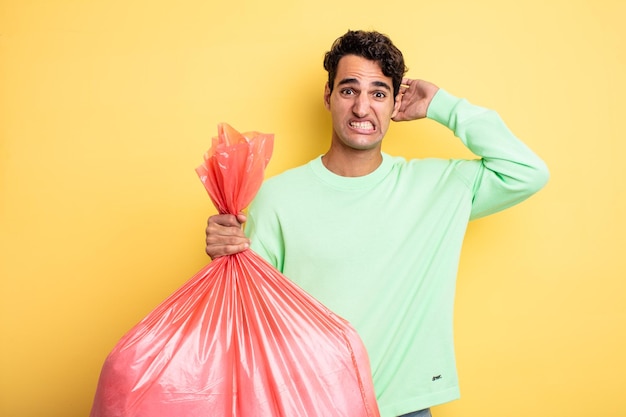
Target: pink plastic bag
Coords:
[(239, 339)]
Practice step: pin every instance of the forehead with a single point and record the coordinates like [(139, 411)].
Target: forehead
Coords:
[(360, 69)]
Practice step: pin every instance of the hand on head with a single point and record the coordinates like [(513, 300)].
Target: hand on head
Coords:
[(415, 97)]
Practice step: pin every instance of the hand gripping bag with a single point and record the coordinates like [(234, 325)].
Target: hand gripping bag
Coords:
[(238, 339)]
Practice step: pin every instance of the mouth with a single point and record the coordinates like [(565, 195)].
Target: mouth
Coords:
[(363, 126)]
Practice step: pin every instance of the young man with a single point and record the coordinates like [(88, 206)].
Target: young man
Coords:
[(377, 238)]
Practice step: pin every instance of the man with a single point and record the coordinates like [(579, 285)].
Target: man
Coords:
[(377, 238)]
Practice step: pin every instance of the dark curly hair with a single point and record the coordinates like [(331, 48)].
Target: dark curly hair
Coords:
[(370, 45)]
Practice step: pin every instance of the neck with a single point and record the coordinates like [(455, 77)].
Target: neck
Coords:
[(352, 163)]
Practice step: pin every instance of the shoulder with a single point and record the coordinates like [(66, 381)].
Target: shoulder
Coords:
[(285, 185), (434, 172), (287, 179)]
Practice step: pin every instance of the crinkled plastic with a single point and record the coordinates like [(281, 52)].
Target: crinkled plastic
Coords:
[(238, 339)]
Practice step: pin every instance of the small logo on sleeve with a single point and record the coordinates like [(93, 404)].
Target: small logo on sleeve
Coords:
[(436, 377)]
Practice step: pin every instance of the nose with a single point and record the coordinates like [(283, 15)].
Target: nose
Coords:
[(361, 105)]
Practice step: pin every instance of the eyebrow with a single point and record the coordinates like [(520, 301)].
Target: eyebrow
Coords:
[(381, 84)]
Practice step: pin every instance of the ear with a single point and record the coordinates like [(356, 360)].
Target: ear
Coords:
[(396, 105), (327, 97)]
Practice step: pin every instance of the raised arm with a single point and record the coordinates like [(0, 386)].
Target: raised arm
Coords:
[(507, 172)]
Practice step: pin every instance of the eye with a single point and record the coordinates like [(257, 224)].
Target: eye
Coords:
[(379, 95), (347, 92)]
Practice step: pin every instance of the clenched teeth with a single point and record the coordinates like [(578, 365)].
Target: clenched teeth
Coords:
[(362, 125)]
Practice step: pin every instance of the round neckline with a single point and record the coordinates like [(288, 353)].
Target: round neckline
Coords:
[(351, 183)]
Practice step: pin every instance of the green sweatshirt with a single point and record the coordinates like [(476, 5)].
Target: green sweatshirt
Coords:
[(382, 250)]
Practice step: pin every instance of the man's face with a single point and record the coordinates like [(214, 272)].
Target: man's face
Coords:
[(361, 103)]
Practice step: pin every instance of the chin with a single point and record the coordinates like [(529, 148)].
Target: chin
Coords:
[(363, 146)]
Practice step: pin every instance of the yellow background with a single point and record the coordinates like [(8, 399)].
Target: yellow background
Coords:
[(106, 108)]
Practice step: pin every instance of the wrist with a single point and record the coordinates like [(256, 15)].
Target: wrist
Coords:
[(441, 105)]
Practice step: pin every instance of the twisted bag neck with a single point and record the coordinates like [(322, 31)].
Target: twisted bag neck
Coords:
[(234, 167)]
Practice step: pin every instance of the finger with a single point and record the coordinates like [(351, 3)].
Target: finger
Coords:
[(408, 82), (224, 220), (403, 86), (216, 232), (218, 242), (221, 244), (225, 250)]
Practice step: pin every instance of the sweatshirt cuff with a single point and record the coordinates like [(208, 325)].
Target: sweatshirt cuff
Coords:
[(441, 106)]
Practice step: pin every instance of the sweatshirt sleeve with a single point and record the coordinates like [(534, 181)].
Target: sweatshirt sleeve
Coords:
[(266, 236), (507, 172)]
